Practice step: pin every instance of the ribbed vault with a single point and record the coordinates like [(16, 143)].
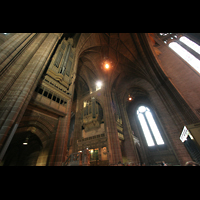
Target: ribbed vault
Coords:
[(120, 48)]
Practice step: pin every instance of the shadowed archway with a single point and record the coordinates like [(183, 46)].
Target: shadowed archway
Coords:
[(23, 150)]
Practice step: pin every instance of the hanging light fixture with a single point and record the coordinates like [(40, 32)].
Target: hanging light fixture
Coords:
[(99, 84), (26, 141), (130, 98), (107, 66), (106, 63)]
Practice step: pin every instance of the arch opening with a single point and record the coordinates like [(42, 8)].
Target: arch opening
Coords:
[(24, 150)]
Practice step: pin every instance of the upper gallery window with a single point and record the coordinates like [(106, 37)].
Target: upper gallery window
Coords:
[(186, 55), (190, 44), (149, 127), (181, 46)]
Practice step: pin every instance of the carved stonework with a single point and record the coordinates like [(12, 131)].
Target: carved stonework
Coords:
[(91, 117), (56, 87)]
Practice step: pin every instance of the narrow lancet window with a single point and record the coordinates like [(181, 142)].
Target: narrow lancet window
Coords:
[(187, 56), (190, 44), (149, 127)]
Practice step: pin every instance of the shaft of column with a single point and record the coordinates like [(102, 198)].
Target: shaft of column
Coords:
[(114, 149), (17, 98)]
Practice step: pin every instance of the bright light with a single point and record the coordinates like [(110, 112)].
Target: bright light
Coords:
[(154, 128), (106, 65), (26, 141), (187, 56), (191, 44), (99, 83), (84, 104), (145, 129), (148, 124), (130, 98)]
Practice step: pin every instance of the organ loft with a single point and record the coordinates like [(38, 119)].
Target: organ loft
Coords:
[(99, 99)]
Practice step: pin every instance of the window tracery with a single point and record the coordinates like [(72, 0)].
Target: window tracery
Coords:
[(149, 127), (168, 37), (184, 47)]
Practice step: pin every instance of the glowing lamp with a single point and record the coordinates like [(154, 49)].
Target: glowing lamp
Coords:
[(107, 66), (26, 141), (98, 83), (129, 98)]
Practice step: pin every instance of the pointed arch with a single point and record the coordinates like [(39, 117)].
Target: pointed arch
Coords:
[(149, 127)]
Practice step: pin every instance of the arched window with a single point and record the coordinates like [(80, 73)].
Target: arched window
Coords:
[(149, 127), (190, 44), (181, 47), (186, 55)]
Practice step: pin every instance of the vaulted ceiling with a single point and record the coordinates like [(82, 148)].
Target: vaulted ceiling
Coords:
[(123, 49)]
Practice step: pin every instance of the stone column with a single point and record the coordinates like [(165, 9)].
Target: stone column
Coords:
[(14, 103), (10, 46), (114, 149), (77, 126), (60, 144), (129, 146), (18, 61)]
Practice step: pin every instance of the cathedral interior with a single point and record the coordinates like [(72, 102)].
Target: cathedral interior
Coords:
[(99, 99)]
